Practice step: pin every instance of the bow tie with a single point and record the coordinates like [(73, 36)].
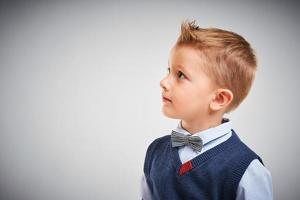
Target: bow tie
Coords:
[(179, 139)]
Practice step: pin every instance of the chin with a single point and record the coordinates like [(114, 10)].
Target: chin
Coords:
[(170, 114)]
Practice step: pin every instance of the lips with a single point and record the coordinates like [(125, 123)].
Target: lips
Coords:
[(166, 99)]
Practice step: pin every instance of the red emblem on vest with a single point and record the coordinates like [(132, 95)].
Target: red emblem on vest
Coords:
[(185, 168)]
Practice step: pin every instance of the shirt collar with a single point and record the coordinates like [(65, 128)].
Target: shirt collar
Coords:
[(209, 134)]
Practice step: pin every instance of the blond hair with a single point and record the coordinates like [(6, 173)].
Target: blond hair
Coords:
[(229, 59)]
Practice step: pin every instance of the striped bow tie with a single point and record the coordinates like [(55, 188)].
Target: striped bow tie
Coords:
[(179, 139)]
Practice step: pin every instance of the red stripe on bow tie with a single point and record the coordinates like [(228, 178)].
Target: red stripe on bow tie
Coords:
[(185, 168)]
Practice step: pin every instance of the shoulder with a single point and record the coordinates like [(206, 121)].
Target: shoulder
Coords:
[(256, 167), (245, 158), (157, 143), (240, 158), (245, 152), (152, 148), (256, 182)]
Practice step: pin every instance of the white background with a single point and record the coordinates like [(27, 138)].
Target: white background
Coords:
[(80, 98)]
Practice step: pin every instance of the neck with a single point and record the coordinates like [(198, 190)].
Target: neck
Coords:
[(196, 125)]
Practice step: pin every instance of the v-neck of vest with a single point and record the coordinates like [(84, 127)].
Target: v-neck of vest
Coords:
[(182, 168)]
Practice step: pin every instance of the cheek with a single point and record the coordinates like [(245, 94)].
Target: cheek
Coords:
[(186, 98), (199, 98)]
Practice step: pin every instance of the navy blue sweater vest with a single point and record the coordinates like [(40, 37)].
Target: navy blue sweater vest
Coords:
[(212, 175)]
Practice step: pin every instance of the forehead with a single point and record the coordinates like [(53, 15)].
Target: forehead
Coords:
[(186, 58)]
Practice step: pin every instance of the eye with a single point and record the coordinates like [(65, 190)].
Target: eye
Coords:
[(180, 74)]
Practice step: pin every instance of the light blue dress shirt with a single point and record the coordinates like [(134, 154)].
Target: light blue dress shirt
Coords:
[(256, 182)]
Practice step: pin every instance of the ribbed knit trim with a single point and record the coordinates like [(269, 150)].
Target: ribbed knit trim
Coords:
[(237, 172)]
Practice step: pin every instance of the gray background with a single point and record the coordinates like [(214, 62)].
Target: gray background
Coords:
[(75, 76)]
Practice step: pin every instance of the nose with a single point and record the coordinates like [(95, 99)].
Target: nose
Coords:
[(164, 84)]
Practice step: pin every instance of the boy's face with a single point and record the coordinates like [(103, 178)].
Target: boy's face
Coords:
[(186, 85)]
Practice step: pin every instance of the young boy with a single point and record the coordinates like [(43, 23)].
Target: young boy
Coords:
[(210, 73)]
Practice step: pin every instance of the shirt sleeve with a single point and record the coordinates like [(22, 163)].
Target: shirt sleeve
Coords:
[(145, 193), (256, 183)]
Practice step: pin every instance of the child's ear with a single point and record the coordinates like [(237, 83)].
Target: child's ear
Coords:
[(221, 99)]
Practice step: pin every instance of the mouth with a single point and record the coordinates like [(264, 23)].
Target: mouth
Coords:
[(166, 100)]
